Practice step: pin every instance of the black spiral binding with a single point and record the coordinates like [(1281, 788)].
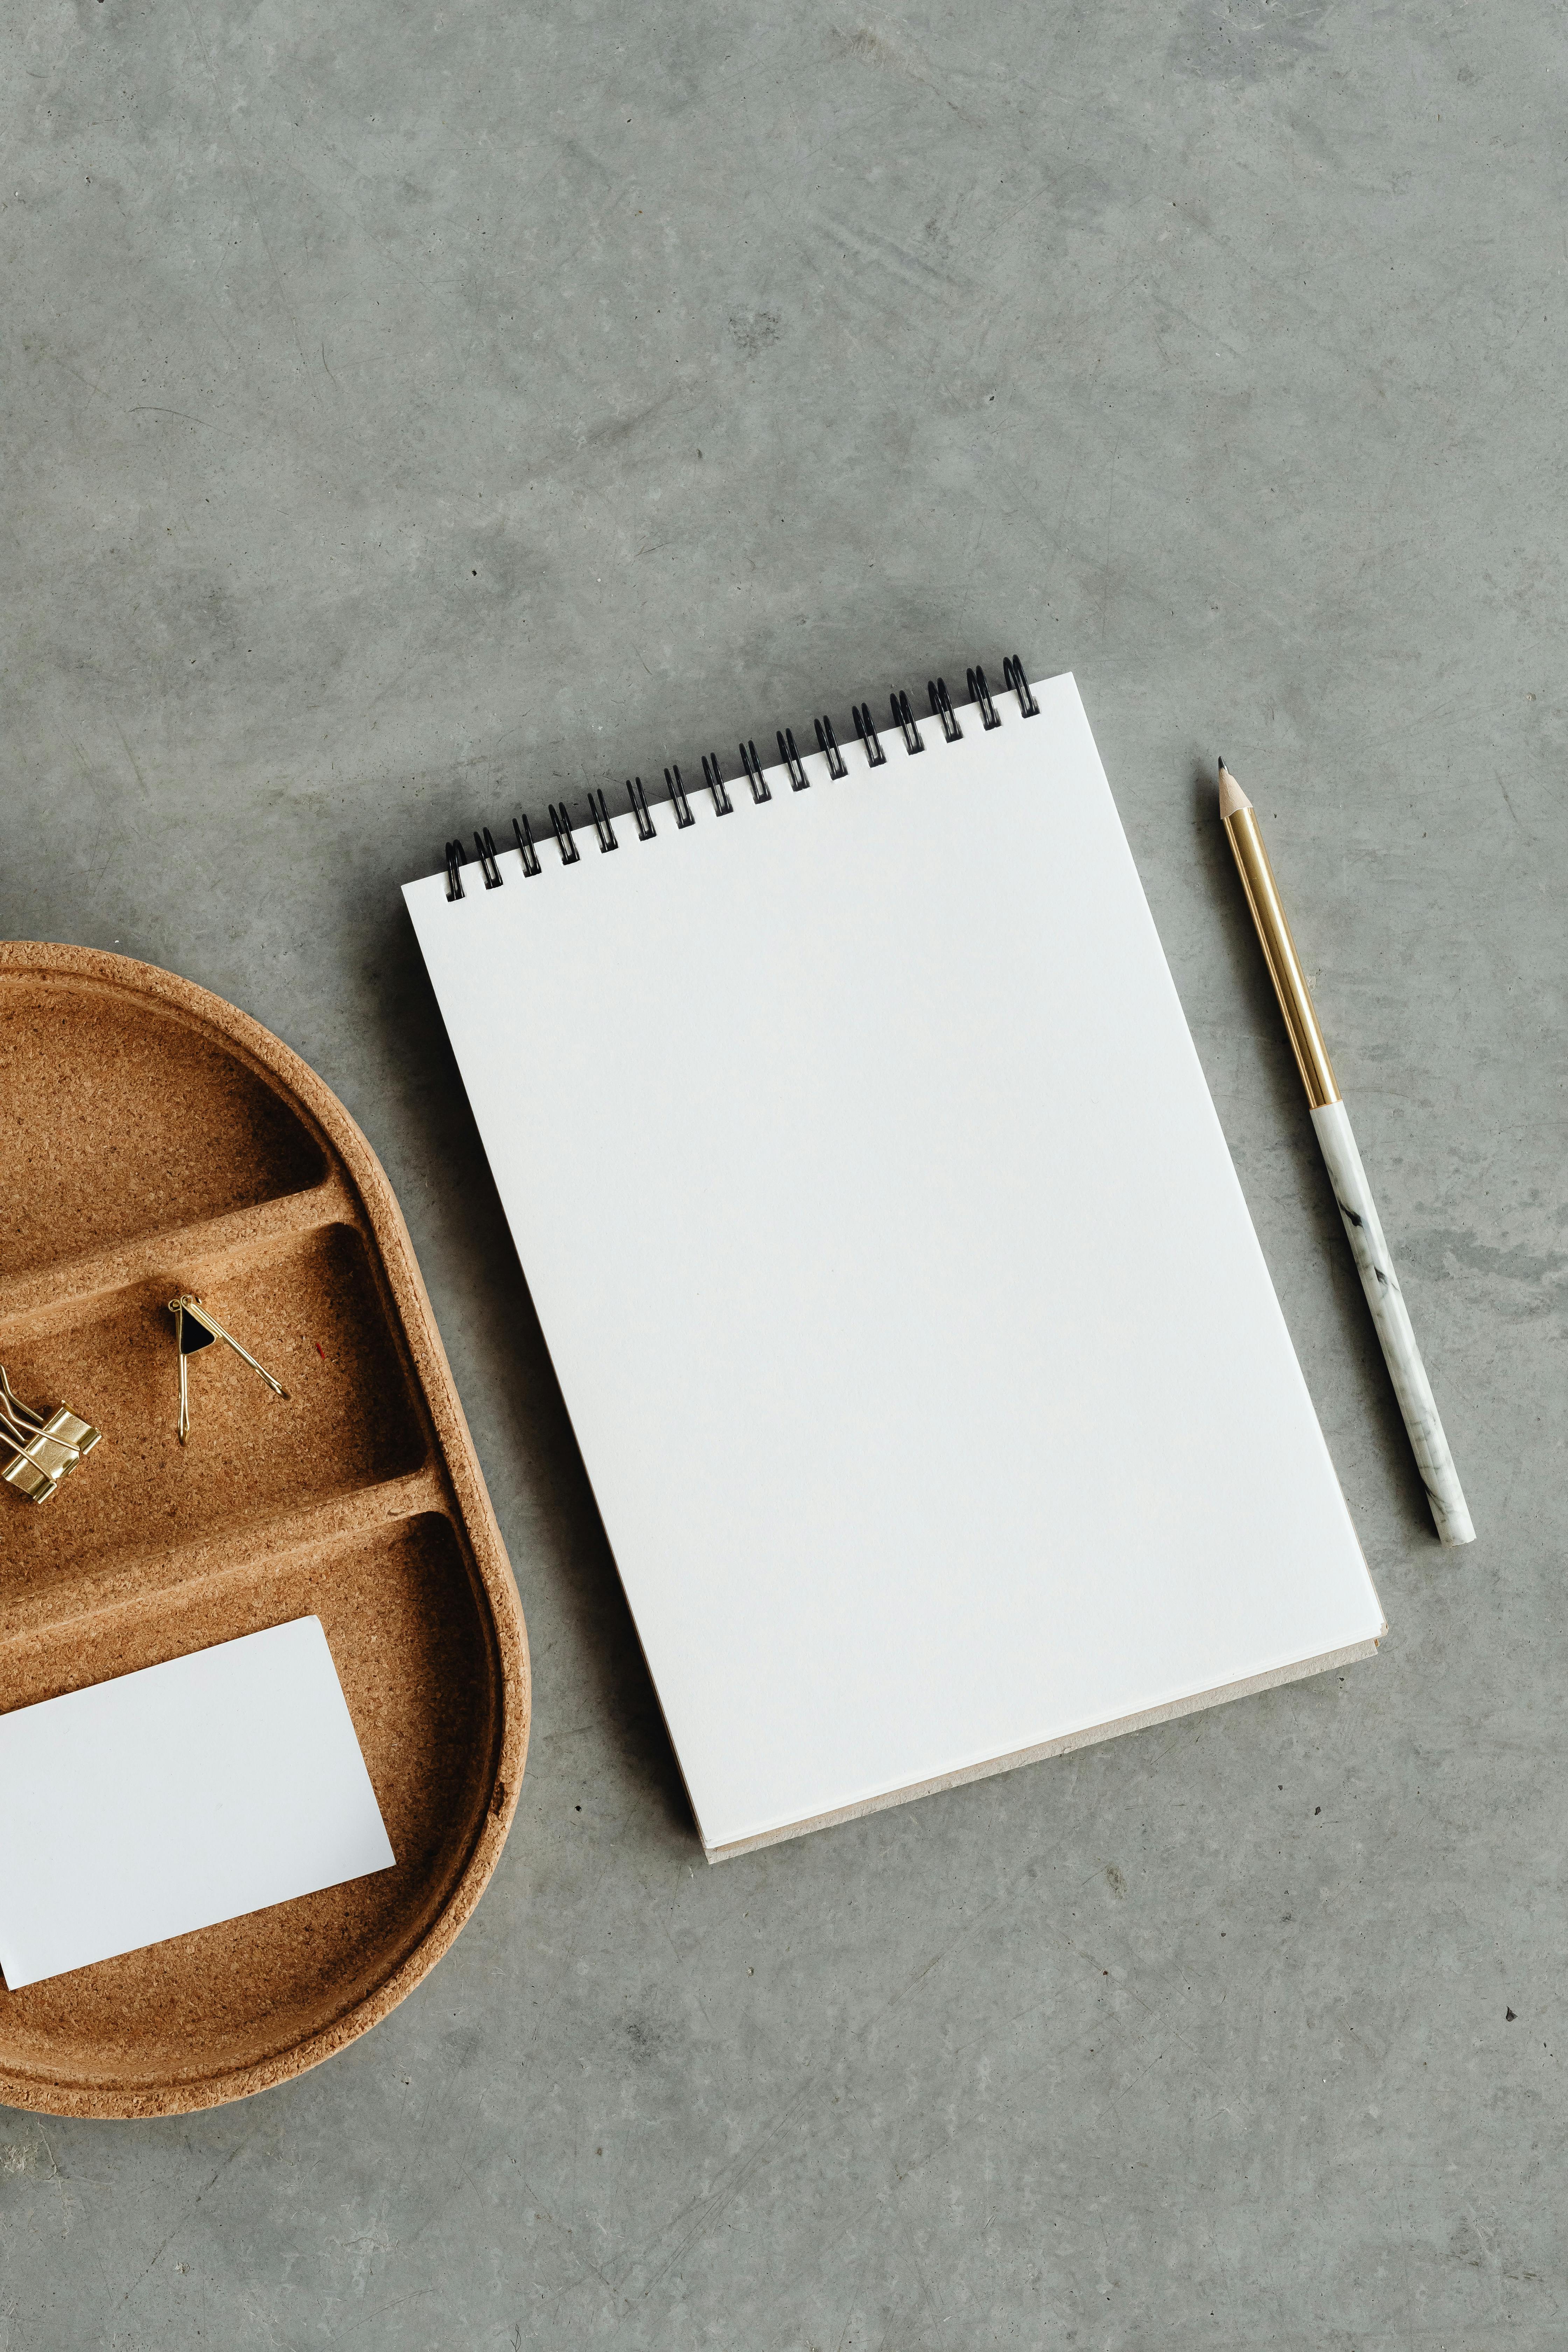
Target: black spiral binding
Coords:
[(562, 825), (904, 720), (638, 800), (940, 707), (753, 768), (722, 805), (679, 801), (981, 693), (602, 825), (870, 741), (1013, 677), (792, 761), (1013, 680)]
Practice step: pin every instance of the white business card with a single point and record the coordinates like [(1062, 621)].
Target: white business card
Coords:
[(171, 1799)]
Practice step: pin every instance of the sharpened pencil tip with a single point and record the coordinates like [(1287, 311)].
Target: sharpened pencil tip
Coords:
[(1231, 796)]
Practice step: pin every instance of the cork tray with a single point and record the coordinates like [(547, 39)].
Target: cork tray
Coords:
[(153, 1141)]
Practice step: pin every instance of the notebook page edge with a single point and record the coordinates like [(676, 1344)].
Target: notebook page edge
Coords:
[(1089, 1736)]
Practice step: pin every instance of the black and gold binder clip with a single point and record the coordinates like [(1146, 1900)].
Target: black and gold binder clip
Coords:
[(197, 1326), (40, 1453)]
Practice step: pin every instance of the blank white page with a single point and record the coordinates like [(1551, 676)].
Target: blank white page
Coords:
[(178, 1796), (930, 1382)]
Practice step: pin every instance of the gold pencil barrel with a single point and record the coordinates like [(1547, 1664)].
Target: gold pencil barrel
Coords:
[(1280, 954)]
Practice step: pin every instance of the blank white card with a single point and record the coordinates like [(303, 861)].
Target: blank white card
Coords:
[(174, 1798), (899, 1283)]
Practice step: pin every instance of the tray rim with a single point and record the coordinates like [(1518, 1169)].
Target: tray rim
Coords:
[(281, 1068)]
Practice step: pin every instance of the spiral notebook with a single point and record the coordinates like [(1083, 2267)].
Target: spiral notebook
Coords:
[(934, 1394)]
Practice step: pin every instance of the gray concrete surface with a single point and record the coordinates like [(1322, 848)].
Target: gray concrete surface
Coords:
[(410, 411)]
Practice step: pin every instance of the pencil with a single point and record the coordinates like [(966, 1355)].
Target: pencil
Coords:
[(1363, 1228)]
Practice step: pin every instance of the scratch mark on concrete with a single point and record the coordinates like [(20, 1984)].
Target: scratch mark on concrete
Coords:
[(703, 2211), (150, 408), (237, 2150), (586, 2261), (617, 428), (130, 755), (890, 48), (1110, 518), (76, 372)]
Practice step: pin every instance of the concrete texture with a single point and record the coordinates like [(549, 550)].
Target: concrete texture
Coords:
[(412, 413)]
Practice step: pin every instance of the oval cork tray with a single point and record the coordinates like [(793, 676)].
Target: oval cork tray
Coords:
[(156, 1141)]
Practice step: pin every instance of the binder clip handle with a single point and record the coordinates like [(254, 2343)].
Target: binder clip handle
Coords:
[(196, 1327)]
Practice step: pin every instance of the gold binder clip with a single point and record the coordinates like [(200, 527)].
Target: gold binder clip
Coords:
[(195, 1327), (22, 1469), (45, 1451)]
